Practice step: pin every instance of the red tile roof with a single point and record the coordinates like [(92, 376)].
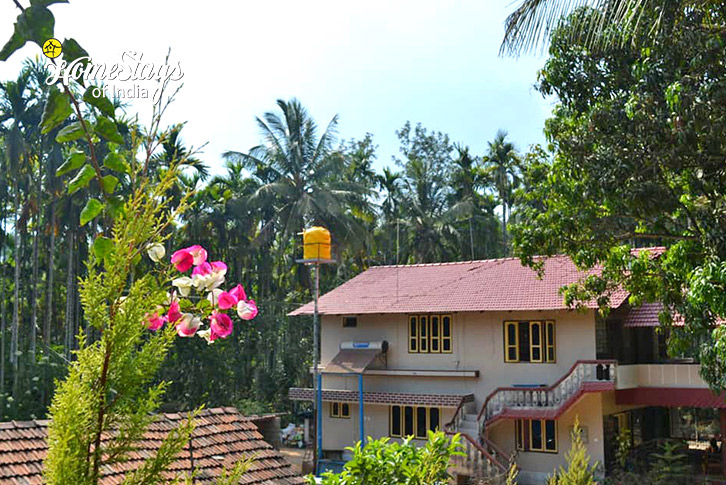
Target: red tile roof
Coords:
[(221, 438), (646, 315), (489, 285)]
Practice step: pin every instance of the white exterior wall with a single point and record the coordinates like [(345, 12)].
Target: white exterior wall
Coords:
[(478, 344)]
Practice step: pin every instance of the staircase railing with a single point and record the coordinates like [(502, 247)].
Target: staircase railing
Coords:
[(554, 396), (457, 419), (476, 459)]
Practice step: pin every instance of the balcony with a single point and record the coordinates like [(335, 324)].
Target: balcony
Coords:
[(659, 375)]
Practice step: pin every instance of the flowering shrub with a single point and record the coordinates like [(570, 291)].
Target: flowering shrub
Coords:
[(199, 297)]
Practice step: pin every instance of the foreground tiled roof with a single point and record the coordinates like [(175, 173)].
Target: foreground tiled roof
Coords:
[(221, 438), (489, 285)]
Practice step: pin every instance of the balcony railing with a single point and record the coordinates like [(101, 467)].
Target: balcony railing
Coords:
[(584, 376)]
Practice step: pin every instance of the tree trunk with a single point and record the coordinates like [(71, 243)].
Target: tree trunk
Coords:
[(49, 304), (34, 282), (16, 300), (69, 297), (50, 277), (3, 322)]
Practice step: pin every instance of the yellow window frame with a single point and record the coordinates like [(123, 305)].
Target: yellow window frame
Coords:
[(543, 427), (508, 345), (532, 346), (447, 338), (413, 334), (423, 334), (437, 339), (519, 434), (402, 427), (400, 421), (339, 414), (550, 344)]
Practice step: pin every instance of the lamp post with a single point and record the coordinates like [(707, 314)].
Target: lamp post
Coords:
[(317, 251)]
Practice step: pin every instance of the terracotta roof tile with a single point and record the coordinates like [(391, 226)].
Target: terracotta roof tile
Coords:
[(488, 285), (221, 438)]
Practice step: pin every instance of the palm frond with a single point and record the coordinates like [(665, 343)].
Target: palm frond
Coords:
[(530, 26)]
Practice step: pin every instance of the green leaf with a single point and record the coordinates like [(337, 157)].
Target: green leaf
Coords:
[(92, 209), (116, 161), (115, 206), (45, 3), (72, 51), (109, 183), (107, 129), (101, 102), (36, 23), (82, 179), (73, 162), (16, 42), (102, 247), (72, 132), (57, 109)]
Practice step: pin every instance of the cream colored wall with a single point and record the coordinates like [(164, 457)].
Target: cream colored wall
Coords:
[(477, 345), (588, 410), (340, 433)]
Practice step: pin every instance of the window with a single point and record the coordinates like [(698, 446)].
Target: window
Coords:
[(536, 435), (350, 322), (339, 410), (430, 334), (414, 421), (529, 341)]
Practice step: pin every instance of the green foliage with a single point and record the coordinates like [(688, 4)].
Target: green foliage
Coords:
[(579, 471), (670, 465), (638, 141), (390, 463), (109, 386), (623, 448)]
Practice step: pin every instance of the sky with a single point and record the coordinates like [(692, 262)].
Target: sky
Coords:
[(376, 64)]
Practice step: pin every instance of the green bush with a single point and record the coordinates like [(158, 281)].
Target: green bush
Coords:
[(387, 463)]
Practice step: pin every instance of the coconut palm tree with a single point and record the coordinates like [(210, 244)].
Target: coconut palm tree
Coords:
[(530, 25), (298, 174)]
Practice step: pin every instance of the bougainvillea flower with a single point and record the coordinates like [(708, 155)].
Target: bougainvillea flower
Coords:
[(202, 270), (220, 325), (208, 276), (247, 310), (188, 325), (184, 284), (198, 253), (174, 313), (154, 321), (226, 300), (238, 292), (156, 252), (182, 260), (219, 267)]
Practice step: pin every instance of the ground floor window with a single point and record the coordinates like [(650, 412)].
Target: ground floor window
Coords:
[(413, 421), (536, 435), (339, 410)]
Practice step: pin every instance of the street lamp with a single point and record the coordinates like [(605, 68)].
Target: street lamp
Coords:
[(317, 251)]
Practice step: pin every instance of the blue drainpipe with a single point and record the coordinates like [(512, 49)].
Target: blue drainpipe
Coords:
[(360, 409)]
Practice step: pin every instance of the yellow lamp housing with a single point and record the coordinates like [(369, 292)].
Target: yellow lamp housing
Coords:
[(316, 244)]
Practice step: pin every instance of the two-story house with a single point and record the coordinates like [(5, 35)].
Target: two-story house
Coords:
[(489, 349)]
